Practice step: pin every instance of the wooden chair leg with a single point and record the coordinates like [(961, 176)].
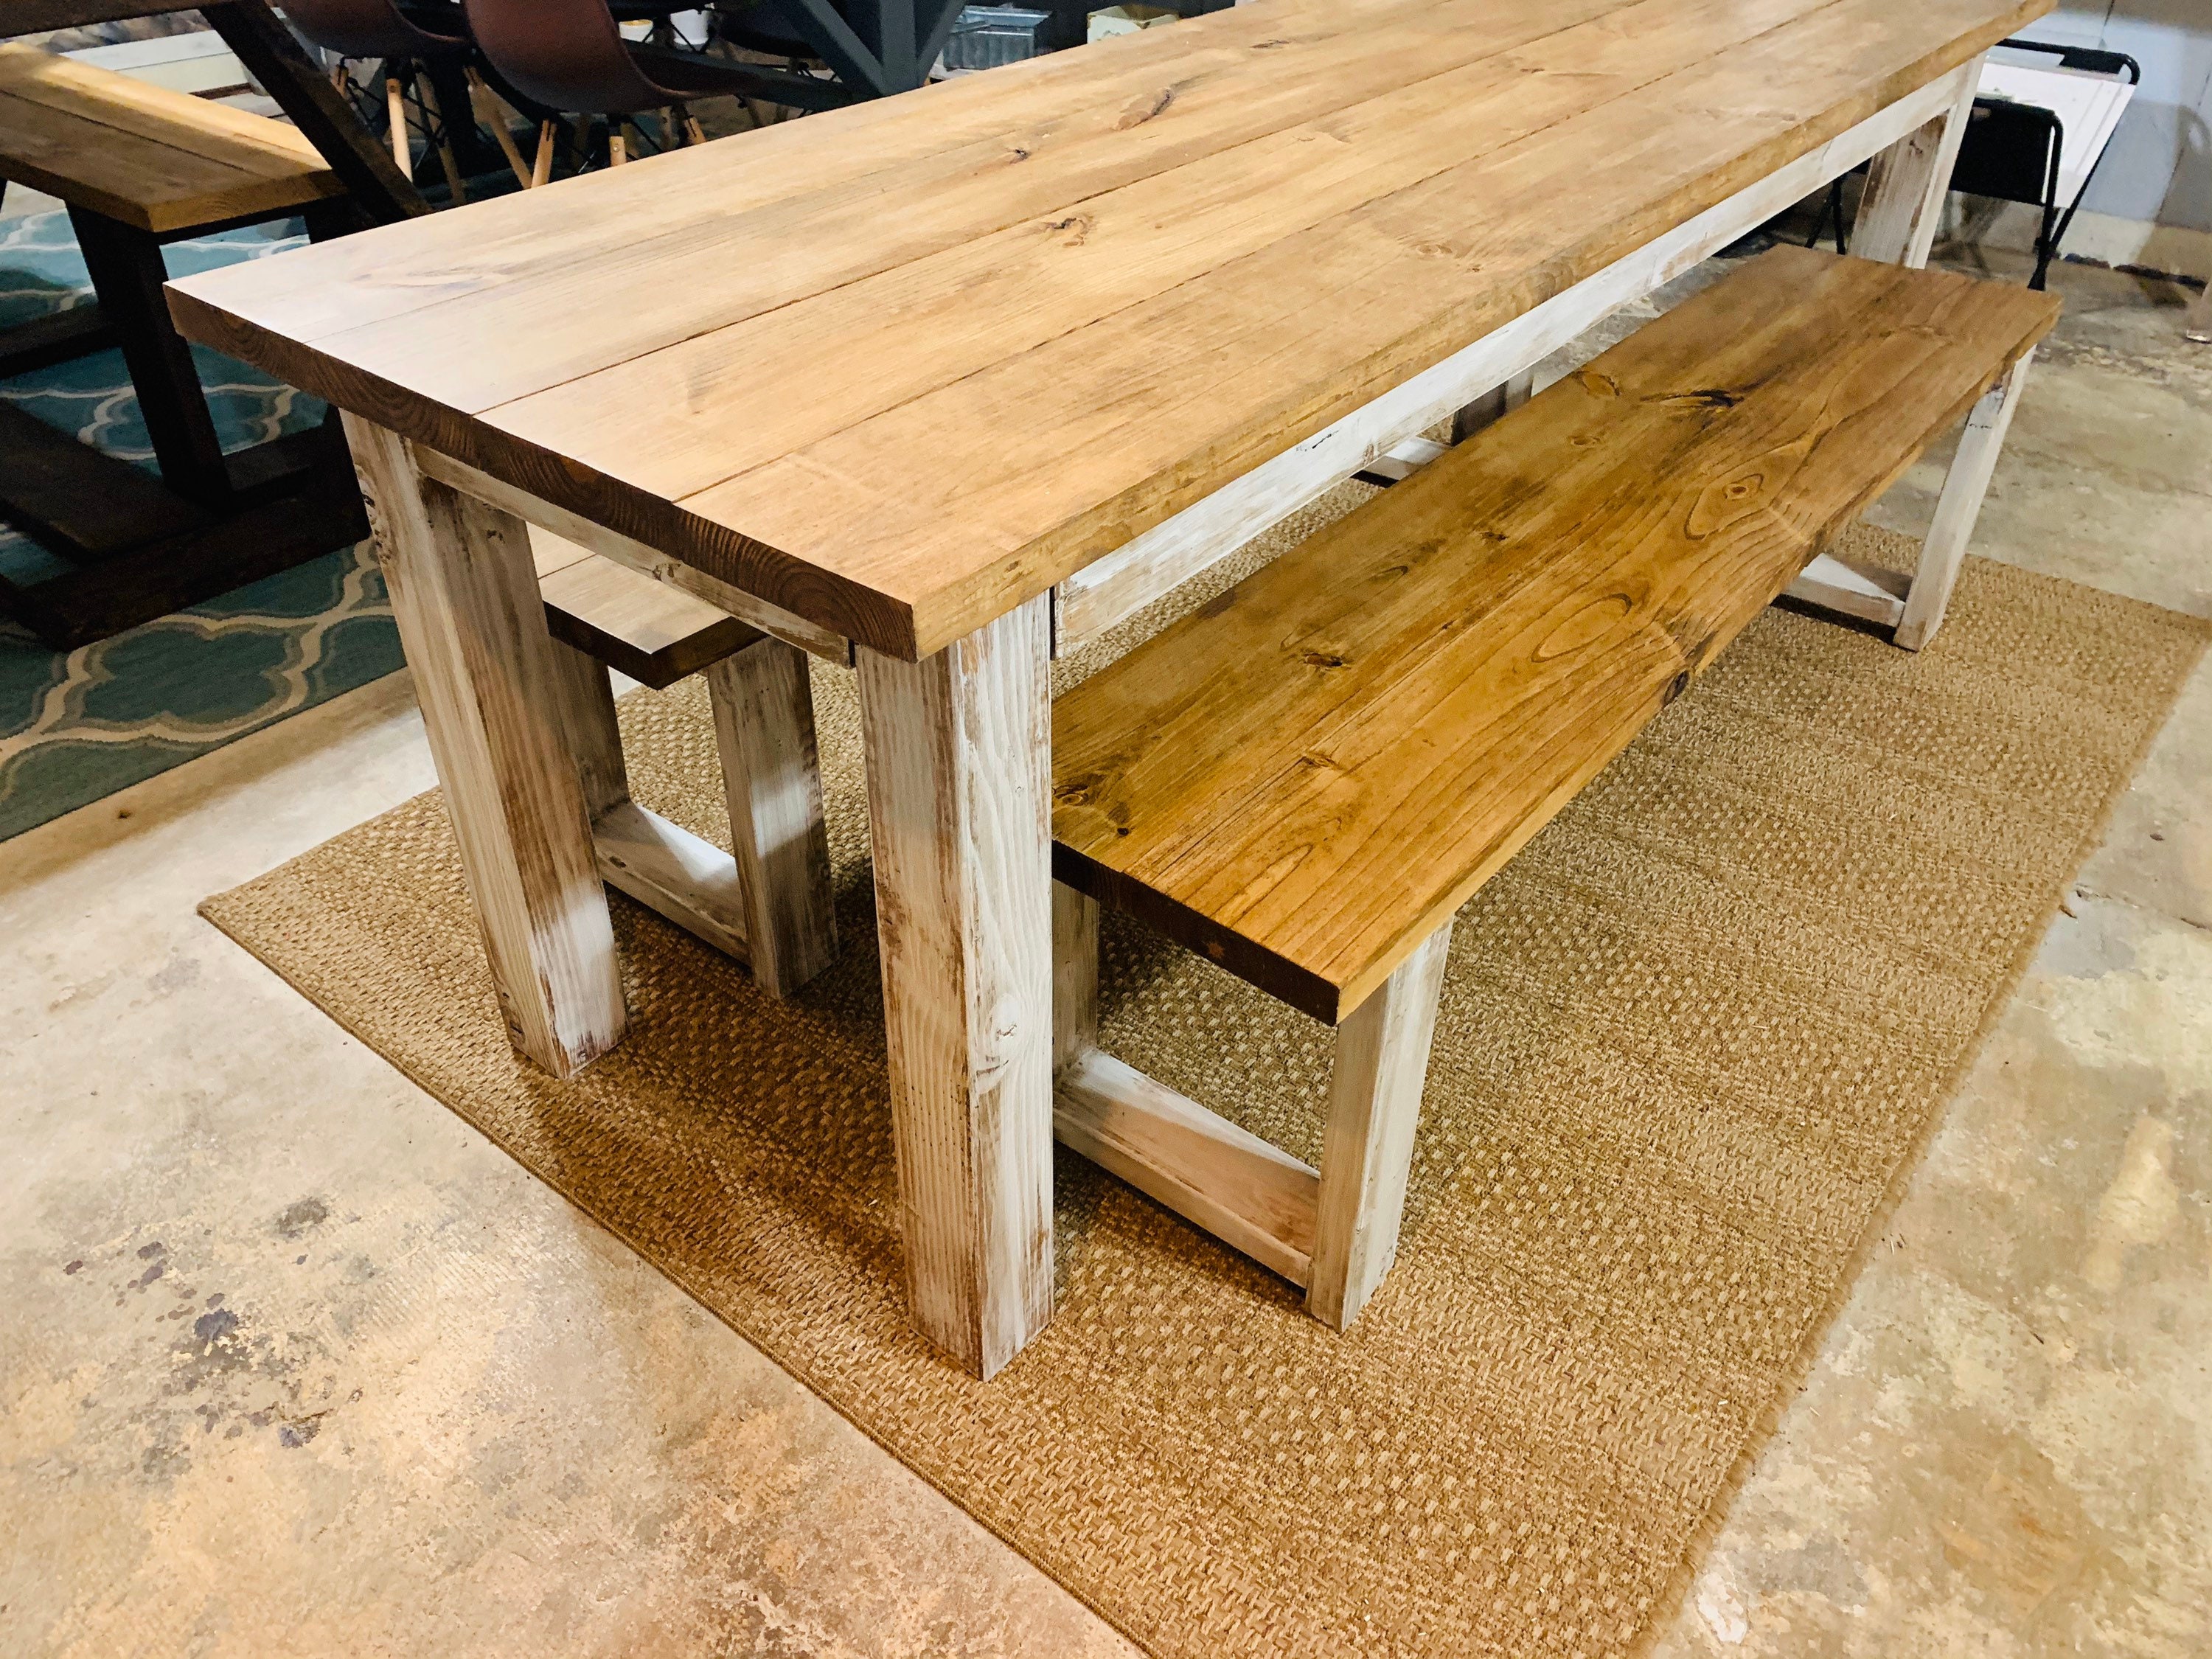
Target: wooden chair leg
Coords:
[(1074, 975), (541, 162), (427, 91), (1958, 507), (617, 147), (465, 593), (1367, 1150), (395, 104), (490, 112), (764, 726), (2196, 325)]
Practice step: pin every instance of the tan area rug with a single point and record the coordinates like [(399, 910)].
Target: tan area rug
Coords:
[(1691, 1040)]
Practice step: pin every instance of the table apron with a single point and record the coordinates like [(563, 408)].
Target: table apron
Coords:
[(1124, 581)]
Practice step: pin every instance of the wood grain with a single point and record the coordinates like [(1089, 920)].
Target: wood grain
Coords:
[(959, 776), (143, 155), (1111, 588), (466, 597), (1105, 293), (1309, 776)]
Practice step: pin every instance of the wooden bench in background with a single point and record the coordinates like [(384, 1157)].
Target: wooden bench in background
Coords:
[(140, 165), (770, 905), (1306, 779)]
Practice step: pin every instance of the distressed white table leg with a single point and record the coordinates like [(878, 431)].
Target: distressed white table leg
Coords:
[(959, 763), (464, 592), (1367, 1148), (1074, 975), (764, 726), (1903, 202), (1965, 487), (1492, 406)]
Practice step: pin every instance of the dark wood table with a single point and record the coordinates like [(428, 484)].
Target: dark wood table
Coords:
[(141, 547)]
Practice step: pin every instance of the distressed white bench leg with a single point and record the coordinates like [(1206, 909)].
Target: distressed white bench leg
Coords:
[(1965, 488), (1492, 406), (664, 866), (1367, 1149), (465, 593), (585, 699), (1903, 202), (1074, 974), (1912, 607), (959, 768), (764, 726)]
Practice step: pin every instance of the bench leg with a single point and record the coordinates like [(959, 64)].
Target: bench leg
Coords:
[(1903, 202), (1367, 1150), (765, 727), (127, 273), (585, 699), (1074, 975), (1958, 507), (465, 593), (959, 764), (1492, 406)]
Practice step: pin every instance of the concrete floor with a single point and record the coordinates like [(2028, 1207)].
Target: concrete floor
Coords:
[(295, 1361)]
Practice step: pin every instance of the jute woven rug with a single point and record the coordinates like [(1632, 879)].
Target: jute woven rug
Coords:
[(1691, 1041)]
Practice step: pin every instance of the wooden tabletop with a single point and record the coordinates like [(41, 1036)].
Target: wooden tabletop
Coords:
[(900, 367)]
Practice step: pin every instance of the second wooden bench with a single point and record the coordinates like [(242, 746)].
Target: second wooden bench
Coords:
[(1306, 779)]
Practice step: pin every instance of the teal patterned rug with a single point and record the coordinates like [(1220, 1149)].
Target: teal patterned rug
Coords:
[(77, 726)]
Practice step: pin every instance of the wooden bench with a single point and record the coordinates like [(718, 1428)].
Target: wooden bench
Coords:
[(138, 165), (770, 905), (1306, 779)]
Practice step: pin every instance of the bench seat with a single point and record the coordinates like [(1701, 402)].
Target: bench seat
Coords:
[(1306, 778), (159, 161)]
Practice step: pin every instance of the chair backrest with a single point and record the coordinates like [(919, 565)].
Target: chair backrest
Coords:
[(567, 54), (369, 28)]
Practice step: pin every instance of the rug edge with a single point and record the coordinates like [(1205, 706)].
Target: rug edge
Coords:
[(1667, 1608)]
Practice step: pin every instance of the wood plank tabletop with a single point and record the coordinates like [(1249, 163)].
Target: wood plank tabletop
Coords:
[(898, 367)]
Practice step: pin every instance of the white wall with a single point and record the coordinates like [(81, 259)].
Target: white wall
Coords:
[(2160, 166)]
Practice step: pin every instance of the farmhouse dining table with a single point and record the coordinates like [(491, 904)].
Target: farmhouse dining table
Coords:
[(946, 384)]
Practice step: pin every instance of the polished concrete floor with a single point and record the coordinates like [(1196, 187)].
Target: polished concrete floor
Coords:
[(295, 1362)]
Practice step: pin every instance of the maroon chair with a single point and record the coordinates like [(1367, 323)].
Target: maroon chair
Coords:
[(373, 29), (570, 55), (412, 42)]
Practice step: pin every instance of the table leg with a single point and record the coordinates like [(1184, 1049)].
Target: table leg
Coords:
[(959, 802), (464, 592), (1903, 202)]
